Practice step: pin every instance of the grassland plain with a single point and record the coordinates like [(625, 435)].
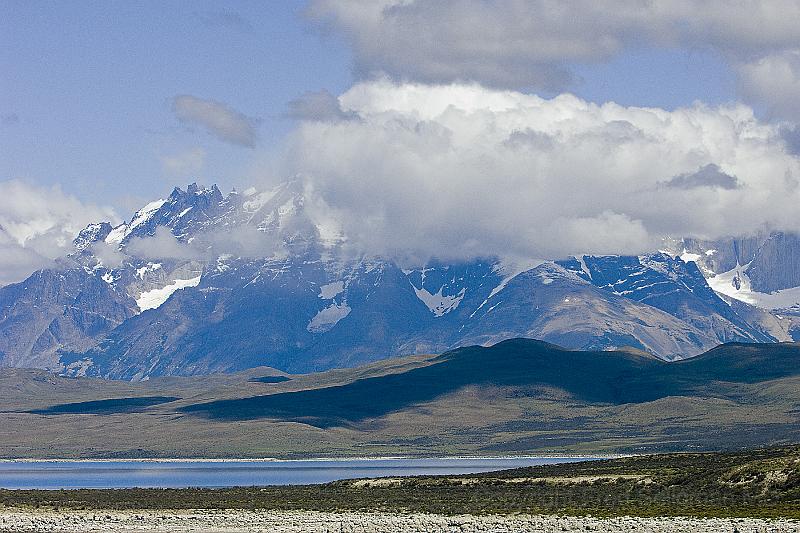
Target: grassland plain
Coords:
[(517, 397)]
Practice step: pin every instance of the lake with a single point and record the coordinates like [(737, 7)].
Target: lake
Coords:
[(178, 474)]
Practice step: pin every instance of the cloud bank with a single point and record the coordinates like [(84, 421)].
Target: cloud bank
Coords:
[(216, 118), (530, 44), (237, 241), (460, 170), (37, 225)]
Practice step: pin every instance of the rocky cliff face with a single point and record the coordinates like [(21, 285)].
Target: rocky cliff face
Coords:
[(721, 255), (762, 270), (57, 309), (776, 263)]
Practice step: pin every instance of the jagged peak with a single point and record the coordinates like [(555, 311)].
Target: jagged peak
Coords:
[(193, 189), (91, 234)]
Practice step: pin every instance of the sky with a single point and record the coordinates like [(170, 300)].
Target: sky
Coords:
[(91, 85), (490, 127)]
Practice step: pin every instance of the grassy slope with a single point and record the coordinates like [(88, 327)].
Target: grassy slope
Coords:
[(760, 483), (516, 397)]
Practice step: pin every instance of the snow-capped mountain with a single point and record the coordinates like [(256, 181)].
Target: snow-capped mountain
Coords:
[(204, 282)]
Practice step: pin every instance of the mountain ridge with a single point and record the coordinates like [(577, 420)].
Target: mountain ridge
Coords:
[(204, 282)]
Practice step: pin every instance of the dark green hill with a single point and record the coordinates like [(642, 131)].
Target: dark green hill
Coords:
[(607, 377), (516, 397)]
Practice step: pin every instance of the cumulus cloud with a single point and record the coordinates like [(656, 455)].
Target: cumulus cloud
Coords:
[(216, 118), (462, 171), (37, 225), (774, 81), (533, 43)]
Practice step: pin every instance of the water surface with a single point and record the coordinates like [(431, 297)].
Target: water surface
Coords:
[(178, 474)]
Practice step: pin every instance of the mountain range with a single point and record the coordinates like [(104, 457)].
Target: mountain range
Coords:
[(204, 282)]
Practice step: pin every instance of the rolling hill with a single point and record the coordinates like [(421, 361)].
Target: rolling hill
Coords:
[(518, 396)]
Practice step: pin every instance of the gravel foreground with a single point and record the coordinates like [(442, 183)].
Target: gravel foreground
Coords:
[(297, 521)]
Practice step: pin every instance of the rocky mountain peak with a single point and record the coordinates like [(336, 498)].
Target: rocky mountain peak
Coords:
[(201, 282)]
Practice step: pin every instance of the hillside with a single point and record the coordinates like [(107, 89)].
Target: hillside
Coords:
[(519, 396)]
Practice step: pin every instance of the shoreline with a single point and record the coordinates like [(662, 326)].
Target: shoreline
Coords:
[(594, 457)]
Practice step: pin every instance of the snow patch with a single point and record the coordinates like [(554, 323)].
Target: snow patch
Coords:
[(439, 304), (153, 299), (288, 208), (149, 267), (326, 292), (582, 260), (119, 233), (687, 256), (222, 260), (511, 270), (735, 283), (257, 201), (327, 318), (116, 235)]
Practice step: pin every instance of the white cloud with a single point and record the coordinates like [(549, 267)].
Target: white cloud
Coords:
[(774, 81), (161, 245), (38, 224), (463, 171), (241, 241), (216, 118), (533, 43)]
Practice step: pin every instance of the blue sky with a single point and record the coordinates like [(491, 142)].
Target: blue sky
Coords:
[(491, 127), (91, 85), (88, 86)]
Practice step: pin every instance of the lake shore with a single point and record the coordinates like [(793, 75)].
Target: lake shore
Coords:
[(755, 484), (203, 521), (309, 459)]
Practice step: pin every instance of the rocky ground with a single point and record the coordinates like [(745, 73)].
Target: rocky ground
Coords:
[(296, 521)]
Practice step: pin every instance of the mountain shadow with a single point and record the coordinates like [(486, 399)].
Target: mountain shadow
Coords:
[(106, 407), (606, 377)]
